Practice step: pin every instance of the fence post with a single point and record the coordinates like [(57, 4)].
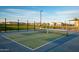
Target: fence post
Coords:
[(66, 29), (5, 24), (27, 25), (18, 25), (34, 25), (48, 25), (69, 26)]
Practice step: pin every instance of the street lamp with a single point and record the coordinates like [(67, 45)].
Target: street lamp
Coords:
[(41, 18)]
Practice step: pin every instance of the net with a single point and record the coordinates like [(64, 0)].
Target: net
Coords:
[(56, 31)]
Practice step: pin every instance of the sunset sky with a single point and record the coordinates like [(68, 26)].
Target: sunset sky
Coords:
[(31, 13)]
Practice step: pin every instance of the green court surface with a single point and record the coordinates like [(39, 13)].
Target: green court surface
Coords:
[(33, 39)]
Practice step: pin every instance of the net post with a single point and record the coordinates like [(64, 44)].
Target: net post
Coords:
[(47, 27)]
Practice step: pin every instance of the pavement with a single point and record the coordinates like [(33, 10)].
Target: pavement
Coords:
[(69, 46)]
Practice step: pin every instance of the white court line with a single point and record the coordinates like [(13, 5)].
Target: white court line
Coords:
[(16, 42), (48, 43), (29, 47)]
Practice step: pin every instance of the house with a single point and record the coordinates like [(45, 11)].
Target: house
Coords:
[(76, 22), (56, 24), (52, 23)]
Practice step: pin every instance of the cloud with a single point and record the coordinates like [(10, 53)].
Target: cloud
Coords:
[(69, 12), (32, 15), (20, 13), (66, 15)]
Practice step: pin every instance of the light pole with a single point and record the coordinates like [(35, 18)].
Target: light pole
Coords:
[(41, 18)]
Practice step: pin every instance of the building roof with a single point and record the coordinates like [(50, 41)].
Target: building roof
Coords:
[(75, 19)]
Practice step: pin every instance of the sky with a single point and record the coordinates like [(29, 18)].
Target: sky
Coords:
[(32, 13)]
